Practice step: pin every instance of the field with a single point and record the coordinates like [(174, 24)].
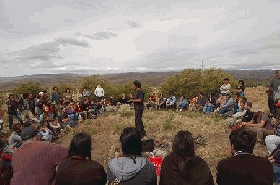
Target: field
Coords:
[(212, 132)]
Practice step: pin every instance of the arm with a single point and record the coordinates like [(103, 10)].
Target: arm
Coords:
[(252, 124)]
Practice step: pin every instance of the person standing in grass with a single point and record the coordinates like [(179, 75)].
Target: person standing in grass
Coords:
[(138, 101)]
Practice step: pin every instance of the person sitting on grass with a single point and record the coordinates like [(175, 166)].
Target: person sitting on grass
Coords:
[(243, 167), (183, 103), (182, 166), (131, 167), (15, 140), (261, 124), (78, 167), (44, 133), (171, 102)]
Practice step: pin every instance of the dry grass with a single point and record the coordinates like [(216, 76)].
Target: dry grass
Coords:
[(163, 125)]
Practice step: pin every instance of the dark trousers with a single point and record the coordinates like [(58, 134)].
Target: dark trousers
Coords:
[(271, 105), (139, 123), (11, 117)]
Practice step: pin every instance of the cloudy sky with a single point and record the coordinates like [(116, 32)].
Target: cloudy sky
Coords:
[(94, 36)]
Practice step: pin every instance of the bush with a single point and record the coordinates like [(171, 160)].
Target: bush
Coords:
[(192, 81)]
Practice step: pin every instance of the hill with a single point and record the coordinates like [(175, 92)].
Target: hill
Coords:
[(253, 77)]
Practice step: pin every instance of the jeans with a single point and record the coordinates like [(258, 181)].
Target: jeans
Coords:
[(276, 173), (11, 117), (208, 108), (224, 110), (139, 123), (271, 142)]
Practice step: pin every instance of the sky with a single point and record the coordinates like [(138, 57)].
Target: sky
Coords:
[(97, 37)]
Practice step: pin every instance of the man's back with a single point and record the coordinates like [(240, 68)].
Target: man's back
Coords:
[(244, 169), (35, 161)]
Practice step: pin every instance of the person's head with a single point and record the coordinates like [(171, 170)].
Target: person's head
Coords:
[(241, 82), (242, 102), (226, 80), (67, 90), (137, 84), (85, 88), (183, 144), (46, 109), (11, 97), (183, 97), (130, 140), (201, 94), (30, 95), (277, 73), (243, 139), (80, 146), (248, 105), (55, 88), (17, 127), (63, 109)]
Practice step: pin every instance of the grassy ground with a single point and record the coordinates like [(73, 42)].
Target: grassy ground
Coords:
[(162, 126)]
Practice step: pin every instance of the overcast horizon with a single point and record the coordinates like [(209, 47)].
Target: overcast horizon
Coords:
[(73, 36)]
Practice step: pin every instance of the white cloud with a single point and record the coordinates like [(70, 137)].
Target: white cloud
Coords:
[(81, 36)]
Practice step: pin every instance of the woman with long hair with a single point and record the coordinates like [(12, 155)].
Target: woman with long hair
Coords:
[(131, 167), (78, 168), (182, 166)]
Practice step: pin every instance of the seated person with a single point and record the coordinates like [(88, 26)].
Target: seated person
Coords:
[(124, 99), (243, 167), (261, 124), (274, 158), (131, 167), (55, 127), (226, 106), (171, 102), (183, 103), (182, 165), (210, 105), (47, 116), (63, 119), (44, 133), (161, 102), (192, 104), (5, 164), (112, 101), (15, 140), (27, 131), (237, 116), (226, 87), (201, 101), (71, 112)]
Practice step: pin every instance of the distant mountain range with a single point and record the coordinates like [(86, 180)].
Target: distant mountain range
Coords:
[(152, 78)]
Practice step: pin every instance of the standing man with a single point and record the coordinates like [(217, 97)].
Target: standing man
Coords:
[(138, 101), (99, 93), (13, 111), (56, 99), (274, 88), (243, 167)]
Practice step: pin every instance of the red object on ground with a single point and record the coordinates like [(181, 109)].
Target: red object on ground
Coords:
[(157, 161), (278, 104)]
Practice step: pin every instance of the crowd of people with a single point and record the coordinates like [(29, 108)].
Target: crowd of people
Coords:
[(25, 159)]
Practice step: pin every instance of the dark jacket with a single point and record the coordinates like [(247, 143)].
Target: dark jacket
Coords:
[(244, 169), (198, 172), (80, 171)]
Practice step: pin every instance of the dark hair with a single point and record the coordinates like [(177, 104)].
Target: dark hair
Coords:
[(137, 83), (242, 82), (54, 87), (243, 139), (183, 150), (16, 127), (249, 104), (226, 79), (67, 90), (80, 145), (130, 140)]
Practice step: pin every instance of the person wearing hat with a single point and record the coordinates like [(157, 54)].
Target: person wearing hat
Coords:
[(138, 101), (35, 161)]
